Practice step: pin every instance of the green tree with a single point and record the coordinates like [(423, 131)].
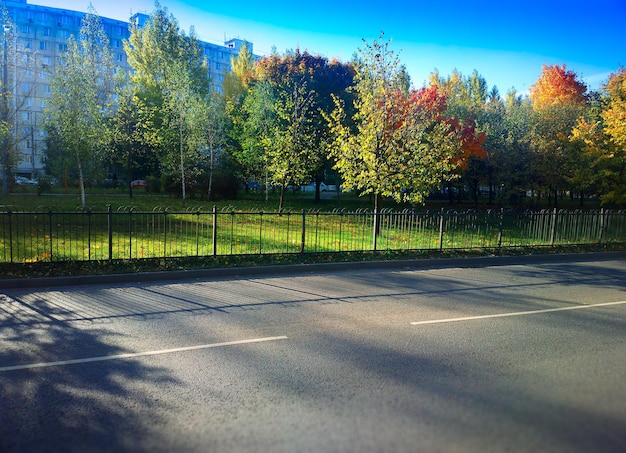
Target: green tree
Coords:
[(289, 143), (185, 126), (127, 147), (170, 76), (81, 98), (238, 86)]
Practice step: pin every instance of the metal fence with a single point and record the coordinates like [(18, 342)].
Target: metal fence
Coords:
[(53, 235)]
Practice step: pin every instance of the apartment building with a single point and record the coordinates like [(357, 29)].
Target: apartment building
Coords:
[(31, 52)]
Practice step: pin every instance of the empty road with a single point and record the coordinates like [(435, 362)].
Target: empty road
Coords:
[(478, 358)]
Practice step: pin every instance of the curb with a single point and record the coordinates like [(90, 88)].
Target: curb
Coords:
[(282, 270)]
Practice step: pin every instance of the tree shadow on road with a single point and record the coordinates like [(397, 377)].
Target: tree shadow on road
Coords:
[(98, 406)]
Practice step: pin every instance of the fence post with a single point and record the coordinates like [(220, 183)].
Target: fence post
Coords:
[(500, 228), (441, 226), (553, 232), (214, 237), (376, 227), (110, 230), (11, 236), (602, 226), (50, 232), (303, 231), (165, 234)]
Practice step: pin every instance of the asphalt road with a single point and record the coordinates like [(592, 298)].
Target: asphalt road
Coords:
[(482, 359)]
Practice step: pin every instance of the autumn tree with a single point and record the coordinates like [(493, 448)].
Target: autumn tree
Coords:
[(82, 90), (398, 147), (466, 103), (601, 134), (557, 86), (558, 98)]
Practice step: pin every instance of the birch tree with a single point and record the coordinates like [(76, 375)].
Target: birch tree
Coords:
[(81, 98)]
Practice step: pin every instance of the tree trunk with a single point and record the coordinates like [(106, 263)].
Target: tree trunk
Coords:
[(182, 159), (81, 182)]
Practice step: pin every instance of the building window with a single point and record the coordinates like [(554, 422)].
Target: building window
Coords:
[(47, 89), (43, 16), (47, 61), (25, 87), (62, 47), (25, 28), (43, 45), (46, 31), (119, 57)]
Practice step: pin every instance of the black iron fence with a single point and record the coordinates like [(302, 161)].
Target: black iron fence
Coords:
[(126, 233)]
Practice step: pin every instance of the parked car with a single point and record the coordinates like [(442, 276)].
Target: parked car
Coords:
[(139, 183), (22, 181)]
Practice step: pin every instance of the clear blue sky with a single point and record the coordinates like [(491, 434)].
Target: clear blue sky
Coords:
[(507, 42)]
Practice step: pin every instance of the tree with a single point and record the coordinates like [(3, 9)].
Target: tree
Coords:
[(558, 98), (170, 76), (399, 145), (614, 115), (322, 80), (17, 123), (127, 147), (81, 98), (238, 90), (556, 86), (601, 134), (288, 144), (466, 104)]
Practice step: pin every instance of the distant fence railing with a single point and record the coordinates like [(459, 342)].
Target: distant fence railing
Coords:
[(49, 234)]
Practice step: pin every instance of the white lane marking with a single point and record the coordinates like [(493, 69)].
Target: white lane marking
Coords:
[(137, 354), (517, 313)]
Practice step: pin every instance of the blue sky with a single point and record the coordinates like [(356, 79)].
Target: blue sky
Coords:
[(507, 42)]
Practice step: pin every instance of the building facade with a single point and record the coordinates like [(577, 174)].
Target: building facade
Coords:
[(31, 50)]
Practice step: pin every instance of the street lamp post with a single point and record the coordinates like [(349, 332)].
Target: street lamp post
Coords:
[(5, 115)]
